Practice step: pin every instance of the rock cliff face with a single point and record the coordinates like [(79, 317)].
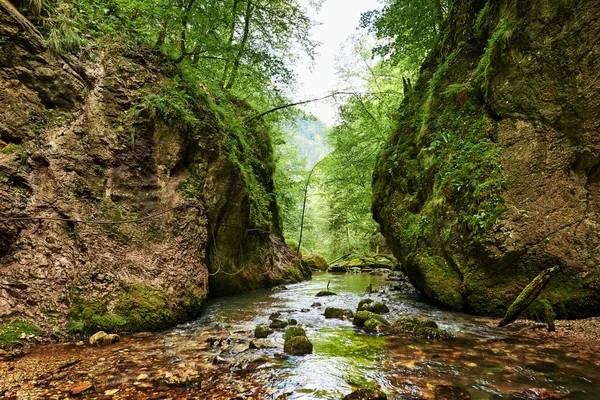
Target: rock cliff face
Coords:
[(494, 172), (78, 141)]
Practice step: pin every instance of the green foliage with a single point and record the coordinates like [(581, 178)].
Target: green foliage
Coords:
[(10, 148), (10, 334), (407, 29)]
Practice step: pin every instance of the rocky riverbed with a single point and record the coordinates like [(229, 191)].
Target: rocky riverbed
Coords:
[(219, 357)]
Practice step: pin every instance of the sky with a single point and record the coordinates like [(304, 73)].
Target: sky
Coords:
[(339, 20)]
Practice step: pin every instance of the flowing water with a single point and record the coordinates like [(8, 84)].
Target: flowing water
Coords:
[(490, 363)]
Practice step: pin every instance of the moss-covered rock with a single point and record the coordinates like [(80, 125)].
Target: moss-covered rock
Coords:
[(463, 188), (315, 262), (361, 318), (261, 331), (278, 324), (376, 325), (366, 394), (425, 329), (339, 313), (376, 307), (324, 293), (296, 342), (298, 346)]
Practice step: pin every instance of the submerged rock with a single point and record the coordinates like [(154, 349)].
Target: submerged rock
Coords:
[(179, 378), (366, 394), (447, 392), (324, 293), (261, 331), (339, 313), (425, 329)]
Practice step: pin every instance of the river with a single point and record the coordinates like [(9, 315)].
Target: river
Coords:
[(213, 358)]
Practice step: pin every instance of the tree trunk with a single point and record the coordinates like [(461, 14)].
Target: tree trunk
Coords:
[(242, 46), (163, 34), (230, 42), (528, 295)]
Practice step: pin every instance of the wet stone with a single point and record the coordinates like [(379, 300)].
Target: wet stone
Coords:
[(448, 392), (278, 324), (81, 387), (366, 394), (338, 313), (324, 293), (261, 331), (275, 315)]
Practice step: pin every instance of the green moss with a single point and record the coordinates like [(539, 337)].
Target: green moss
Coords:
[(440, 282), (10, 335), (501, 35), (137, 308), (425, 329), (10, 148), (361, 317), (293, 332)]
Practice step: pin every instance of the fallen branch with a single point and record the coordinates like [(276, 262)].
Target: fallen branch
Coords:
[(299, 103), (528, 295)]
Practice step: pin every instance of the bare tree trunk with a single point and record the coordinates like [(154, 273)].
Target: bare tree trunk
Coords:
[(242, 46), (230, 42)]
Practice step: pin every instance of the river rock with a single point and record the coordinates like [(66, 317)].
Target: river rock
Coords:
[(377, 325), (447, 392), (298, 346), (296, 343), (275, 315), (261, 331), (179, 378), (425, 329), (278, 324), (376, 307), (102, 338), (366, 394), (339, 313), (324, 293)]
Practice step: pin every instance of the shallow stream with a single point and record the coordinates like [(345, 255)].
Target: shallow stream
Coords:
[(490, 363)]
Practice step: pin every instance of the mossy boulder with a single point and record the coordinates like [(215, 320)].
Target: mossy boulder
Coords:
[(325, 293), (261, 331), (315, 262), (376, 307), (298, 346), (296, 342), (377, 323), (293, 332), (338, 313), (424, 329), (278, 324)]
